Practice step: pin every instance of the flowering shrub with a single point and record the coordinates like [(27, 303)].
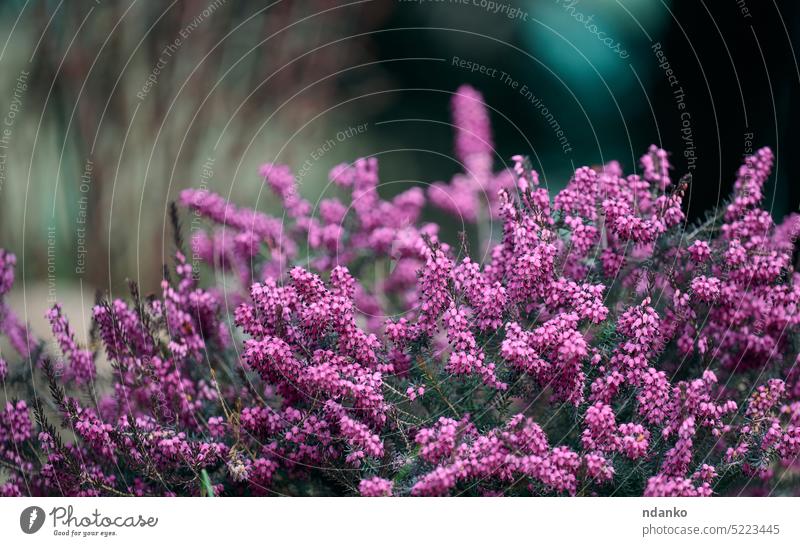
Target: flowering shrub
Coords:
[(605, 346)]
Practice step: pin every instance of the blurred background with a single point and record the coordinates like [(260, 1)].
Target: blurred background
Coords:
[(110, 108)]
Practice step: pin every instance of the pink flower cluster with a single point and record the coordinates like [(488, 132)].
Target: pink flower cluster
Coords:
[(603, 347)]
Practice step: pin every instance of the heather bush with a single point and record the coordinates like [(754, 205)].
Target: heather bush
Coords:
[(604, 346)]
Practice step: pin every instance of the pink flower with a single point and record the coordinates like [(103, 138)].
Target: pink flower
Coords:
[(700, 251), (375, 487)]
